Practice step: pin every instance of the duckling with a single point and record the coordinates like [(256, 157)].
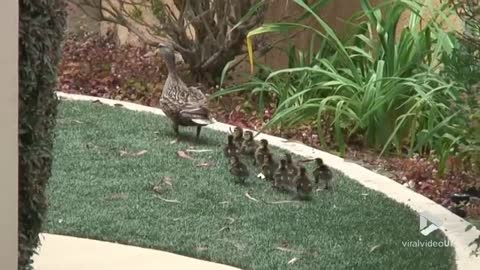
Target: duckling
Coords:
[(238, 137), (303, 184), (230, 148), (261, 151), (281, 176), (184, 106), (322, 172), (249, 145), (238, 169), (291, 167), (269, 166)]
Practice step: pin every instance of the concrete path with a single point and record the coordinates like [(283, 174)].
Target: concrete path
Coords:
[(63, 252)]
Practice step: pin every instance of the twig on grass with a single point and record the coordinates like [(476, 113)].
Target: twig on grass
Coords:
[(166, 200), (250, 197)]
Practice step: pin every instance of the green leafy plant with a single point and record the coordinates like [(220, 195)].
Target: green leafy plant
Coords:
[(373, 83)]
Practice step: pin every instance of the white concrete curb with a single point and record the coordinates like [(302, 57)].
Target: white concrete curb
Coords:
[(453, 226)]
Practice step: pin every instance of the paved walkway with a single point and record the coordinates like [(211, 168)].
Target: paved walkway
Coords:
[(64, 252)]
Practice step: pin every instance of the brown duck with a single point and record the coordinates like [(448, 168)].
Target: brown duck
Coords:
[(269, 165), (249, 145), (281, 177), (230, 149), (260, 152), (184, 106), (322, 173), (303, 184), (238, 169), (238, 137)]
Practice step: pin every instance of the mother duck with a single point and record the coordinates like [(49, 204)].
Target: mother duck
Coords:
[(184, 106)]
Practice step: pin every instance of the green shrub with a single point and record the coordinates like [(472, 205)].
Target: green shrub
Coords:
[(42, 24), (382, 88)]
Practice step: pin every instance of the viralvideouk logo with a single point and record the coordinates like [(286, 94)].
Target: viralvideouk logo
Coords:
[(428, 223)]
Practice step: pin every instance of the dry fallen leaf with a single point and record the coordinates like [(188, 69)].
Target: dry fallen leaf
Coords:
[(284, 249), (137, 154), (140, 153), (166, 200), (293, 260), (199, 150), (225, 228), (250, 197), (204, 165), (281, 202), (183, 154), (167, 180), (201, 248), (231, 220), (374, 248)]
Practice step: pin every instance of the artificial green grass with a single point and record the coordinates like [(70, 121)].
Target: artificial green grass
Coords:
[(95, 192)]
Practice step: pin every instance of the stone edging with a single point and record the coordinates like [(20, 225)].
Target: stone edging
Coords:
[(452, 225)]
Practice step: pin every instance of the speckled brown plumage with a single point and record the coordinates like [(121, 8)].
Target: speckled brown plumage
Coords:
[(185, 106), (303, 184), (281, 176)]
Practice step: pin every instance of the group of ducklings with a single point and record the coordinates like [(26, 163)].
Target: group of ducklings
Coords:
[(285, 175)]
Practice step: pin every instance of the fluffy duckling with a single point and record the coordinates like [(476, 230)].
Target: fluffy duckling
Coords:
[(268, 166), (238, 137), (291, 166), (322, 173), (281, 177), (249, 145), (230, 148), (261, 151), (303, 184), (238, 169)]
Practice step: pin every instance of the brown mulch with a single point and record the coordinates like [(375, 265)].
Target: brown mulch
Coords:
[(96, 66)]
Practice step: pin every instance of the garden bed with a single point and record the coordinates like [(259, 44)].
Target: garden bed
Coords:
[(109, 167), (125, 73)]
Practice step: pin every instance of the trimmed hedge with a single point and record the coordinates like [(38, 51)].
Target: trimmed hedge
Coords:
[(41, 31)]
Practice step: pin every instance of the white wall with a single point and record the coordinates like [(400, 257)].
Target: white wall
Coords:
[(8, 135)]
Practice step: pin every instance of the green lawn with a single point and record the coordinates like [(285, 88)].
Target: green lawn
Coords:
[(97, 192)]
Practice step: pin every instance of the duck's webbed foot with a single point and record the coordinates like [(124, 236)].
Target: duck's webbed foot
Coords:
[(175, 130)]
